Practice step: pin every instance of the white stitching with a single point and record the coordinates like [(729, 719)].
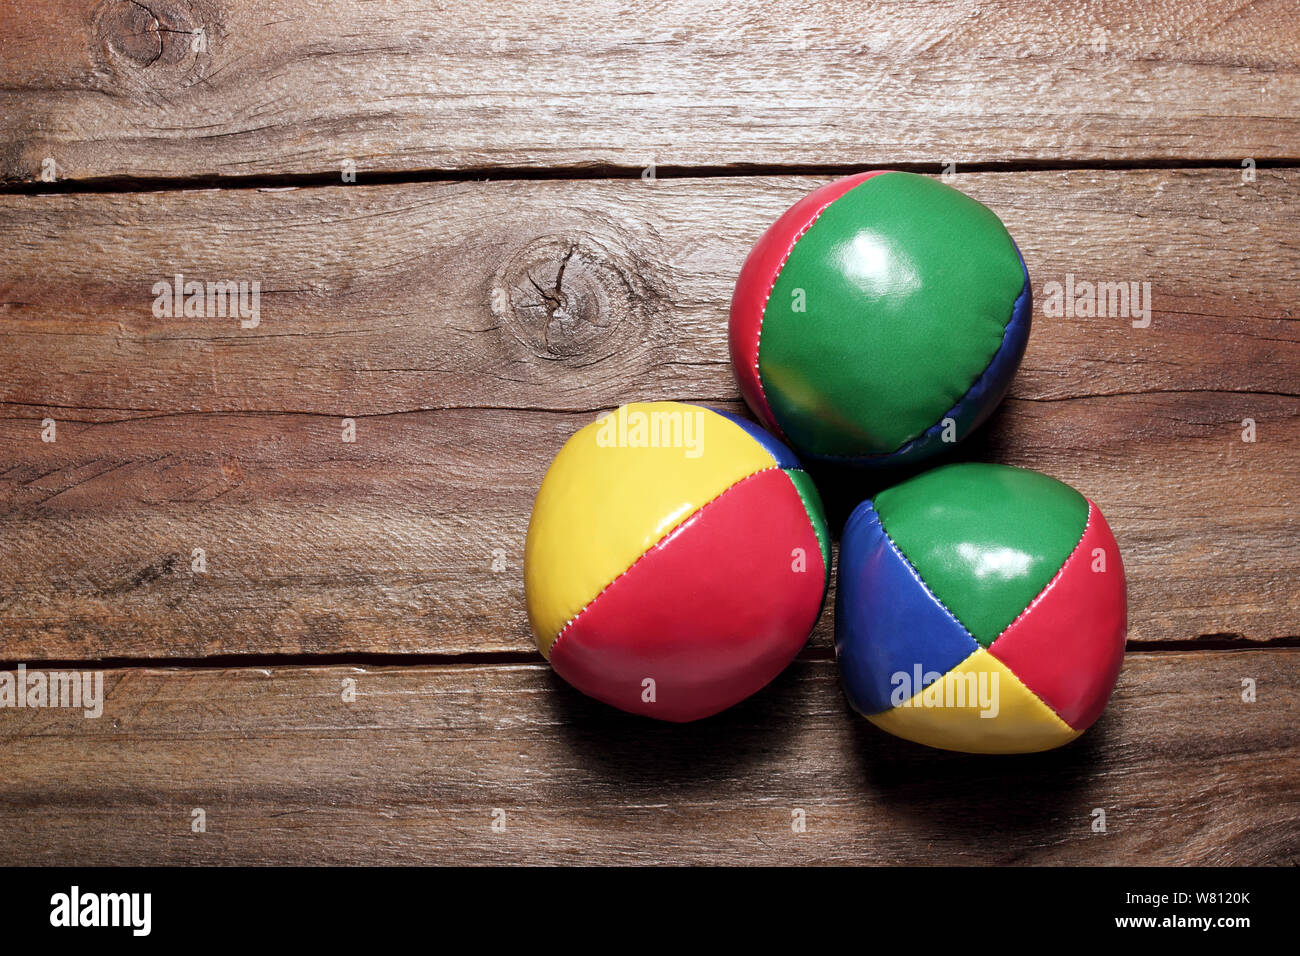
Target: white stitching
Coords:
[(762, 312), (667, 534), (1055, 577), (978, 646), (920, 580)]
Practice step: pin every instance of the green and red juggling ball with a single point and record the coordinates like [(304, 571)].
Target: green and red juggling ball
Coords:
[(879, 320)]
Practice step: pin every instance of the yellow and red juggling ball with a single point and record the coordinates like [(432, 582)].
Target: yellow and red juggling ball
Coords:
[(676, 561), (980, 608), (880, 319)]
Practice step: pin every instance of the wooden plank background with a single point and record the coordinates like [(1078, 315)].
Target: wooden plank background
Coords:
[(412, 771), (499, 274)]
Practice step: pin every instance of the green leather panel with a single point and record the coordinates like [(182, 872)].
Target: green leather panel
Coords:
[(907, 286), (985, 538), (812, 503)]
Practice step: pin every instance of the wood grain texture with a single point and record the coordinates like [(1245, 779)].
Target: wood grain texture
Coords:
[(470, 328), (412, 770), (120, 88)]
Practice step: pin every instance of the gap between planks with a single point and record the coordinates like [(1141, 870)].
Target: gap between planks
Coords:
[(1204, 644), (108, 185)]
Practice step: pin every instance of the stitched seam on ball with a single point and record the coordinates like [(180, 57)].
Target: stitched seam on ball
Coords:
[(1060, 572), (927, 686), (1051, 710), (1032, 693), (1042, 594), (641, 557), (803, 503), (879, 455), (979, 647), (921, 580), (776, 274), (797, 466)]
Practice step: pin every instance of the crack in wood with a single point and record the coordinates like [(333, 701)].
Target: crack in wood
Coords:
[(601, 171)]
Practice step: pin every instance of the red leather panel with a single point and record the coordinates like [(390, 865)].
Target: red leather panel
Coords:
[(758, 275), (1068, 645)]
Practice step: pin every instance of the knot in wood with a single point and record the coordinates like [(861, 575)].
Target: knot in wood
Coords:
[(569, 298), (153, 45)]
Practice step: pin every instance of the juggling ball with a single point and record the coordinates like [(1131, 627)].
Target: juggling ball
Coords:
[(676, 560), (980, 608), (880, 319)]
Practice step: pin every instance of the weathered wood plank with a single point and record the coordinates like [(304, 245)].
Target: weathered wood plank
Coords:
[(574, 295), (412, 770), (390, 545), (382, 303), (118, 88)]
